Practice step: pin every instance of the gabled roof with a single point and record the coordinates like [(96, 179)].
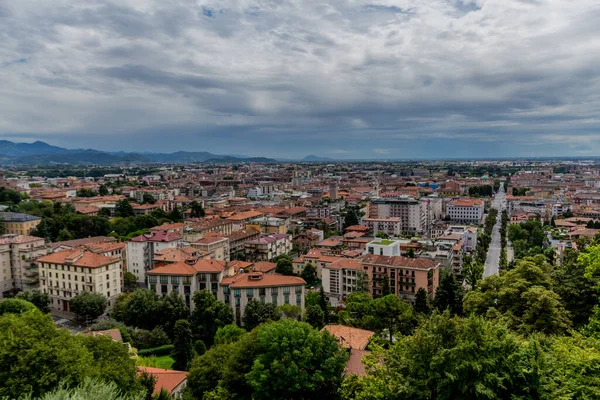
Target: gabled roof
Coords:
[(258, 279), (165, 378), (157, 236), (78, 258), (350, 338)]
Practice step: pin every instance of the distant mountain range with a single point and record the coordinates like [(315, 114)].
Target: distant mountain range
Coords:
[(313, 158), (41, 153)]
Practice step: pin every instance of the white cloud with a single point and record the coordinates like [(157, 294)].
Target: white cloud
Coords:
[(476, 70)]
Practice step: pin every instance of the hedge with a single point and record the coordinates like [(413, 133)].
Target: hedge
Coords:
[(156, 351)]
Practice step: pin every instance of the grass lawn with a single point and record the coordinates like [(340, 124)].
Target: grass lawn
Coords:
[(164, 362)]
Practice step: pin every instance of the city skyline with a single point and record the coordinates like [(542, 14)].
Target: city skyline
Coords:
[(351, 80)]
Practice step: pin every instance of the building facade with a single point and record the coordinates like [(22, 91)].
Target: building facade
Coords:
[(19, 223), (18, 270), (141, 250), (465, 211)]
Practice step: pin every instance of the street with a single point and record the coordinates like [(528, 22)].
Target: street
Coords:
[(492, 262)]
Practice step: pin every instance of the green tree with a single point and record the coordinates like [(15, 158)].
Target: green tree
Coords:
[(123, 208), (229, 334), (449, 294), (295, 361), (523, 296), (147, 198), (422, 302), (89, 305), (15, 306), (472, 272), (183, 350), (103, 190), (284, 266), (448, 358), (129, 282), (288, 311), (89, 389), (394, 315), (257, 313), (111, 361), (315, 316), (323, 303), (309, 273), (172, 308), (200, 347), (40, 356), (64, 235), (385, 286), (37, 298), (209, 315), (139, 309), (196, 210), (86, 193)]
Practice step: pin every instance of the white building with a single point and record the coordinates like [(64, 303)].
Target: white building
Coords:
[(17, 269), (238, 290), (412, 213), (340, 279), (267, 247), (254, 193), (141, 249), (384, 247), (67, 273), (465, 211), (391, 226)]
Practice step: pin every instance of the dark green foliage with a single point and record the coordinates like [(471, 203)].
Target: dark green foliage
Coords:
[(183, 350), (123, 208), (15, 306), (86, 193), (157, 351), (284, 266), (144, 339), (88, 305), (257, 313), (229, 334), (103, 190), (352, 215), (172, 308), (519, 191), (139, 309), (309, 273), (315, 316), (209, 315), (422, 302), (481, 191), (200, 347), (196, 210), (528, 239), (449, 294), (281, 360), (129, 282)]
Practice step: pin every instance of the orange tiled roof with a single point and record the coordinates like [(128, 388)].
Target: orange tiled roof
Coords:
[(266, 280), (165, 378), (349, 337), (78, 258)]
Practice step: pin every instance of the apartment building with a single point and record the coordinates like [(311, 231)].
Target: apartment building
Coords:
[(406, 275), (384, 247), (67, 273), (465, 211), (267, 247), (390, 226), (237, 241), (188, 277), (19, 223), (238, 290), (196, 229), (216, 248), (17, 269), (141, 250), (412, 212), (340, 279)]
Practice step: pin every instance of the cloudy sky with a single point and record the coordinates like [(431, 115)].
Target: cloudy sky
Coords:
[(287, 78)]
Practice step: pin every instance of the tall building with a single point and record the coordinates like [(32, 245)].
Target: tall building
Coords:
[(333, 190), (141, 250), (465, 211), (406, 275), (67, 273), (17, 268), (411, 212)]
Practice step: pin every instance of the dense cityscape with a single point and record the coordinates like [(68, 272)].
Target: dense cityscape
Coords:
[(299, 200), (212, 280)]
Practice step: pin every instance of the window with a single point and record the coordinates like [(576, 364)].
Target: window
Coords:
[(274, 291), (202, 277), (298, 299), (250, 292), (152, 278), (274, 299), (164, 280), (286, 298), (298, 289), (237, 292), (286, 290), (175, 280), (214, 277)]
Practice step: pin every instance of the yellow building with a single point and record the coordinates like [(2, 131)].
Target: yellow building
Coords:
[(19, 223)]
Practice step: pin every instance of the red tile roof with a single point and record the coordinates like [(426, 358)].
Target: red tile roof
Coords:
[(78, 258), (259, 279), (157, 236), (350, 338), (165, 378)]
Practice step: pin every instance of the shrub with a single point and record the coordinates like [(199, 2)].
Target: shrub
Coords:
[(157, 351)]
